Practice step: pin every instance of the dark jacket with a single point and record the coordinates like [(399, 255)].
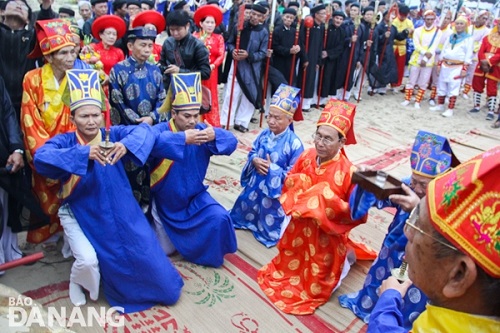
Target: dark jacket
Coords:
[(193, 54)]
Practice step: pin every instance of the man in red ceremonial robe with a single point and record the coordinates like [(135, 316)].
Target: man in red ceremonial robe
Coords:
[(312, 251)]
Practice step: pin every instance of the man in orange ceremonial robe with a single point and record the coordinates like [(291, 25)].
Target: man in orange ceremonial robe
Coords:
[(44, 114), (312, 251)]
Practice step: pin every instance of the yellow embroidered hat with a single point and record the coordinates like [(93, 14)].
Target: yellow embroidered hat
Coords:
[(52, 35), (339, 115), (83, 88), (186, 91), (464, 206)]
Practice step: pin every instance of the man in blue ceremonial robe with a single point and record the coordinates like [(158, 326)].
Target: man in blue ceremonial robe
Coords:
[(185, 214), (106, 229), (273, 154), (431, 156), (136, 93)]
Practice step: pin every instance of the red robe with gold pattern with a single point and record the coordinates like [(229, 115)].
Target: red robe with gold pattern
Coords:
[(216, 49), (43, 115), (490, 50), (312, 250)]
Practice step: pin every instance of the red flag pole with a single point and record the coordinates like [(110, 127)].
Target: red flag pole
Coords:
[(351, 56), (370, 38), (22, 261), (241, 20), (322, 71), (308, 24), (294, 56)]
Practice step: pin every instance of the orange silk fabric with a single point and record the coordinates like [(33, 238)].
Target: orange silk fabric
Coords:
[(313, 248), (43, 115)]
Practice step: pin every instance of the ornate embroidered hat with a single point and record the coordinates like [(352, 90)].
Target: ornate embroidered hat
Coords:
[(339, 115), (83, 88), (464, 206), (152, 17), (108, 21), (286, 99), (205, 11), (52, 35), (431, 155), (186, 91)]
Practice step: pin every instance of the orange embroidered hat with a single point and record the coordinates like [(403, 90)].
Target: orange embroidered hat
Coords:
[(339, 115), (52, 35), (205, 11), (464, 206), (152, 17), (108, 21)]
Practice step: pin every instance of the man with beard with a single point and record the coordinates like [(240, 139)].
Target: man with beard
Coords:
[(247, 90)]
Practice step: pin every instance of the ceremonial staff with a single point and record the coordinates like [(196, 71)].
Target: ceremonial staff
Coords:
[(295, 43), (368, 47), (308, 24), (268, 61), (351, 56), (106, 144), (241, 21), (322, 71)]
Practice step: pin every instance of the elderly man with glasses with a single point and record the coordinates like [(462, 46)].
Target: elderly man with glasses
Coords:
[(431, 155), (311, 259), (453, 254)]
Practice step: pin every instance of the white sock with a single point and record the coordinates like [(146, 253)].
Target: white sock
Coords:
[(76, 294)]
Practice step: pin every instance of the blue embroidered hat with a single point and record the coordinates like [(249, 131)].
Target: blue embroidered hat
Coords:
[(142, 33), (84, 88), (431, 155), (286, 99), (186, 91)]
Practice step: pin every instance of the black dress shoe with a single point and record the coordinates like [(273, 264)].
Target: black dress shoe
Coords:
[(306, 110), (314, 106), (242, 129), (322, 106), (236, 127)]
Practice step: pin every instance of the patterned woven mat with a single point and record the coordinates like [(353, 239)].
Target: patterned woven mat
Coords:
[(228, 299)]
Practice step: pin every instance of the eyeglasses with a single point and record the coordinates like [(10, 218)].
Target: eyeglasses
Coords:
[(410, 228), (325, 140)]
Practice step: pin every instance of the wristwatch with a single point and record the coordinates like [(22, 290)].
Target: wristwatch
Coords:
[(19, 151)]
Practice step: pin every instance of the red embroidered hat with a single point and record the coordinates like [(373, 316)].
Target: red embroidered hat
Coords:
[(464, 206), (205, 11), (52, 35), (108, 21), (339, 115), (151, 17)]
